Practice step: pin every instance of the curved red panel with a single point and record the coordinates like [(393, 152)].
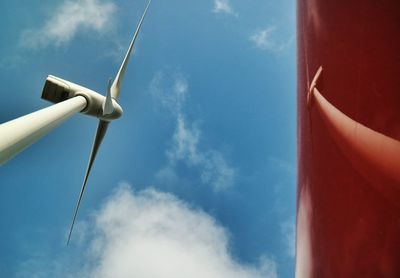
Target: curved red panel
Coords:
[(348, 220), (374, 155)]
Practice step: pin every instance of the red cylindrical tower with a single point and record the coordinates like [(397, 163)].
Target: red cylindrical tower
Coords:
[(348, 214)]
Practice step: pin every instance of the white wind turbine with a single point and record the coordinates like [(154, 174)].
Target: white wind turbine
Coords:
[(70, 98)]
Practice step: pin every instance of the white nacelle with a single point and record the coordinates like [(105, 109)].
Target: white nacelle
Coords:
[(56, 90)]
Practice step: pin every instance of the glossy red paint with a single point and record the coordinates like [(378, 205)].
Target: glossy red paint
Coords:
[(348, 216)]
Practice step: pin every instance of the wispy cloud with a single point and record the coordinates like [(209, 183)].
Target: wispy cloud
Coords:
[(289, 236), (214, 168), (171, 93), (287, 168), (153, 234), (185, 148), (11, 61), (224, 6), (265, 39), (71, 17)]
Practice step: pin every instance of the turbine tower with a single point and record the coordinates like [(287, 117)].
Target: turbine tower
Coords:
[(69, 99)]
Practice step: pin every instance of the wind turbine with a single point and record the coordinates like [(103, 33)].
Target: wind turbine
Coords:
[(69, 99)]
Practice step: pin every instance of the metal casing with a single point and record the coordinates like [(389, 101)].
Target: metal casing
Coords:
[(56, 90)]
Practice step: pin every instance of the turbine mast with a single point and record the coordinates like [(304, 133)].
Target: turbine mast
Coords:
[(18, 134)]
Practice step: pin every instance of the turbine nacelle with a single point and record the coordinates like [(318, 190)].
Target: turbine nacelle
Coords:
[(103, 107)]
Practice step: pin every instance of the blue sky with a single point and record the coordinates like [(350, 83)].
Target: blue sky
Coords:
[(196, 178)]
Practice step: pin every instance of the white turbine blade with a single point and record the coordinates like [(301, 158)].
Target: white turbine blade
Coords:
[(115, 88), (108, 106), (101, 131)]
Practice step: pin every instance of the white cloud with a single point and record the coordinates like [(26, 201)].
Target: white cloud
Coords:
[(67, 20), (214, 169), (265, 40), (153, 234), (223, 6), (148, 234)]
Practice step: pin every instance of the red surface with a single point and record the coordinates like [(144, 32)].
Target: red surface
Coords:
[(348, 222)]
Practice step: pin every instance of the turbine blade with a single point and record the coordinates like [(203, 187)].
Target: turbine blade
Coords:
[(108, 106), (115, 88), (101, 131)]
